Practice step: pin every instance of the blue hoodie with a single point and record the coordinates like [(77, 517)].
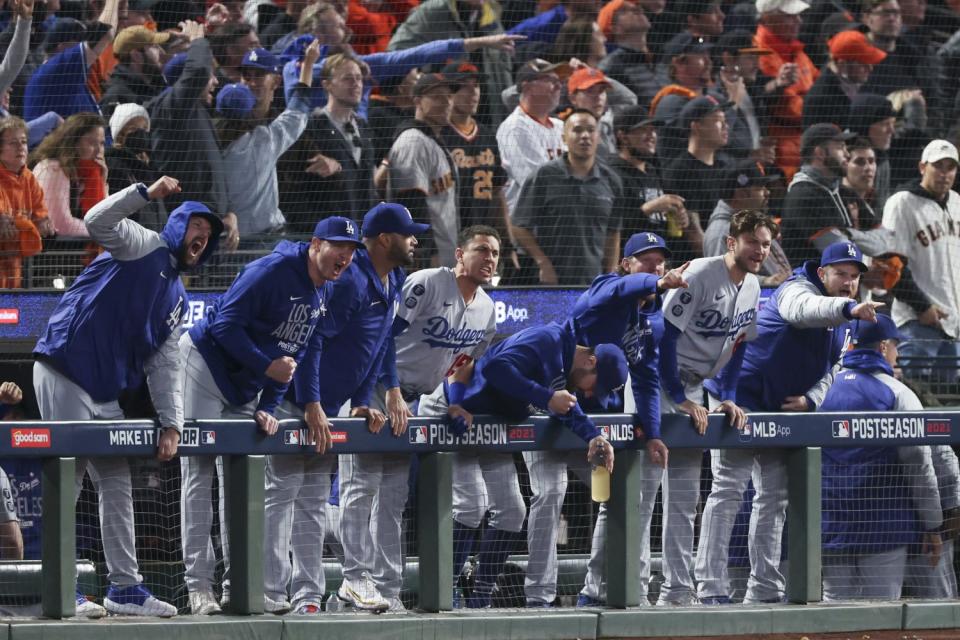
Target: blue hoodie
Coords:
[(610, 312), (801, 334), (126, 304), (517, 377), (270, 311), (355, 342), (874, 498)]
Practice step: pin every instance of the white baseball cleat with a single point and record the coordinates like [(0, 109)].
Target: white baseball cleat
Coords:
[(88, 608), (362, 594), (278, 607), (136, 600), (204, 603), (394, 604)]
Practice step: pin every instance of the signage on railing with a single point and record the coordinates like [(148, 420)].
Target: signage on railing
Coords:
[(350, 435)]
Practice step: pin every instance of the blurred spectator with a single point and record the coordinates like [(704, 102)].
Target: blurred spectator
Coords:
[(128, 160), (229, 44), (636, 164), (251, 148), (690, 69), (697, 174), (745, 187), (702, 19), (791, 74), (579, 38), (550, 222), (22, 208), (184, 141), (872, 117), (857, 187), (321, 20), (283, 22), (372, 22), (68, 82), (737, 83), (907, 66), (442, 20), (393, 105), (925, 221), (473, 146), (911, 135), (422, 175), (587, 89), (260, 72), (138, 77), (70, 166), (632, 63), (852, 58), (333, 162), (545, 27)]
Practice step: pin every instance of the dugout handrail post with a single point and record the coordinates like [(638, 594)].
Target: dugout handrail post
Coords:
[(58, 567), (803, 525), (435, 531), (623, 530), (244, 487)]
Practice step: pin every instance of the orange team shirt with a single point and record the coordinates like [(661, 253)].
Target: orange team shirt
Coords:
[(21, 197)]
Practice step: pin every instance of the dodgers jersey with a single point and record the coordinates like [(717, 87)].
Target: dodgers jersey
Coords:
[(713, 315), (443, 329)]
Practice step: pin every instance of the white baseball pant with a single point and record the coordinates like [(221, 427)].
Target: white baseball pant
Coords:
[(932, 583), (877, 576)]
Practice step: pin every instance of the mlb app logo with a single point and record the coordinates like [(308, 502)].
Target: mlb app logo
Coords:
[(208, 437), (841, 428), (291, 436), (418, 435)]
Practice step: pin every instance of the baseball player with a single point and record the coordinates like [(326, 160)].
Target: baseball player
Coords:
[(118, 323), (446, 320), (801, 324), (877, 501), (537, 369), (360, 342), (704, 327), (11, 538), (240, 358), (628, 305), (939, 581)]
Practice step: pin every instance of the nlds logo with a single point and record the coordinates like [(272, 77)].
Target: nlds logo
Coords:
[(617, 432), (841, 428)]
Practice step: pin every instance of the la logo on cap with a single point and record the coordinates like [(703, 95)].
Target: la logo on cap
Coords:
[(253, 56), (851, 250), (651, 237), (350, 228)]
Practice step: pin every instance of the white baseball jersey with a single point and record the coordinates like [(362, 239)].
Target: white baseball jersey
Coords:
[(443, 330), (714, 316), (525, 144), (419, 163), (928, 235)]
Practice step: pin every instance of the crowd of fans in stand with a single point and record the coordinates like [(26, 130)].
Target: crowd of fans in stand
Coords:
[(567, 126)]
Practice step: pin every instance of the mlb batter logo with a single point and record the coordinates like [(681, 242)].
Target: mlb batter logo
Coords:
[(208, 437), (841, 428), (418, 435), (291, 436)]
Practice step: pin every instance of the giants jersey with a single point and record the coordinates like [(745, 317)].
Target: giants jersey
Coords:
[(525, 144), (477, 159), (714, 316), (443, 330), (928, 235)]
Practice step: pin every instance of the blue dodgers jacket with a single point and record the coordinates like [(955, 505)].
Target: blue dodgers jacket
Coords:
[(356, 340), (270, 311), (517, 377), (126, 306), (801, 334), (875, 498), (610, 312)]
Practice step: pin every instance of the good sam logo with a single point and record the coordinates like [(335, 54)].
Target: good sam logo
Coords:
[(30, 438)]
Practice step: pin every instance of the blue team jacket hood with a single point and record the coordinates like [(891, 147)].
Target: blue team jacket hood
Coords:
[(176, 228)]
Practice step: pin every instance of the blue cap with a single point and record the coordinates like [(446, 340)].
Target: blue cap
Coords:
[(338, 229), (389, 217), (236, 101), (843, 252), (261, 59), (173, 68), (64, 30), (867, 333), (640, 242), (611, 371)]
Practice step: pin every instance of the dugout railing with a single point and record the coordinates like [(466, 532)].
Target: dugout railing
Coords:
[(244, 448)]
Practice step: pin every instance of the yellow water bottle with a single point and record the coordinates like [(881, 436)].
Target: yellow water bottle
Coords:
[(599, 481), (674, 230)]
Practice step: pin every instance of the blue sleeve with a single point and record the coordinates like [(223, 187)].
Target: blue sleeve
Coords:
[(306, 379), (543, 27), (299, 98), (730, 374), (580, 423), (239, 304), (388, 370), (645, 382), (507, 374), (4, 408), (362, 397), (393, 64), (669, 371), (38, 128), (270, 397)]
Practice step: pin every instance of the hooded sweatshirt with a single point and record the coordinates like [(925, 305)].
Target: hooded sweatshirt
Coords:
[(121, 318), (813, 204)]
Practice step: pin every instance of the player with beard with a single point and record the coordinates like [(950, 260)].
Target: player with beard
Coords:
[(636, 164), (118, 323), (137, 77), (704, 327), (474, 149), (240, 358)]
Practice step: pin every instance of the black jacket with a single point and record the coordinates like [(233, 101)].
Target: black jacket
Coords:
[(826, 101), (125, 86)]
